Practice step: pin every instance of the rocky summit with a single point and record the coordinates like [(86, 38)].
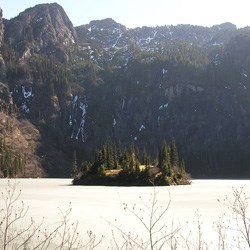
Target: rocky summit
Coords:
[(74, 88)]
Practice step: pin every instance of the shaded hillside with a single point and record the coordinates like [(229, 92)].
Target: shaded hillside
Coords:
[(99, 82), (20, 142)]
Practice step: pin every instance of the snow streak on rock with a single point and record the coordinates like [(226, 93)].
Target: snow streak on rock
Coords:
[(77, 118), (114, 122), (23, 96)]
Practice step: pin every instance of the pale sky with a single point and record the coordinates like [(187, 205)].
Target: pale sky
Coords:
[(137, 13)]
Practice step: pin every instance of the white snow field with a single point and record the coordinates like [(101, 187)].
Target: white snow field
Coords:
[(97, 207)]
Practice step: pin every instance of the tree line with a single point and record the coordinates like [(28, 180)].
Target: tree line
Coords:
[(11, 164)]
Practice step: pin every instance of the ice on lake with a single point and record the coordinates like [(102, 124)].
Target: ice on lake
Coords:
[(100, 209)]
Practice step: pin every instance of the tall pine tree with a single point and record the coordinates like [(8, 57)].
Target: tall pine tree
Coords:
[(174, 157)]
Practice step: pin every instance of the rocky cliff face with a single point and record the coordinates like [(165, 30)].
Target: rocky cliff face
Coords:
[(1, 27), (106, 82), (45, 29), (2, 64)]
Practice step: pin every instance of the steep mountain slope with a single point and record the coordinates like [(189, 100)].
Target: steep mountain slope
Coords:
[(83, 86), (20, 141), (2, 65), (117, 40)]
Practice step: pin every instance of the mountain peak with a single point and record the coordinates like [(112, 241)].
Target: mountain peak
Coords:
[(226, 26), (106, 23), (39, 28), (42, 7)]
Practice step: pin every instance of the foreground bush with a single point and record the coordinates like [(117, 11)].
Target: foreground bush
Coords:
[(13, 235)]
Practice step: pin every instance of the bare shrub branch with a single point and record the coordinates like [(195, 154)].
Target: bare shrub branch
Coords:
[(14, 235), (239, 220), (152, 217)]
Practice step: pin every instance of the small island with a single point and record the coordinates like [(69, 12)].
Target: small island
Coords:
[(115, 167)]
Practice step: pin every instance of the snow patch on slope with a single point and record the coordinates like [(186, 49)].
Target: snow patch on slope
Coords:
[(77, 118)]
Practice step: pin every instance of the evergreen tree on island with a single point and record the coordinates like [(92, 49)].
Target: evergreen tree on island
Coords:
[(116, 166)]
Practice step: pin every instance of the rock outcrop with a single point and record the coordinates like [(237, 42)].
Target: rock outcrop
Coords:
[(44, 29), (2, 64)]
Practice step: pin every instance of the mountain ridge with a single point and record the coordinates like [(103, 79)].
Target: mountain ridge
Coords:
[(82, 86)]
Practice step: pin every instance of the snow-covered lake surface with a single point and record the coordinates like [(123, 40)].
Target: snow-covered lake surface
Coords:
[(96, 207)]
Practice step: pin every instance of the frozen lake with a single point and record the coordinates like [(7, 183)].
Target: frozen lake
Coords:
[(96, 207)]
